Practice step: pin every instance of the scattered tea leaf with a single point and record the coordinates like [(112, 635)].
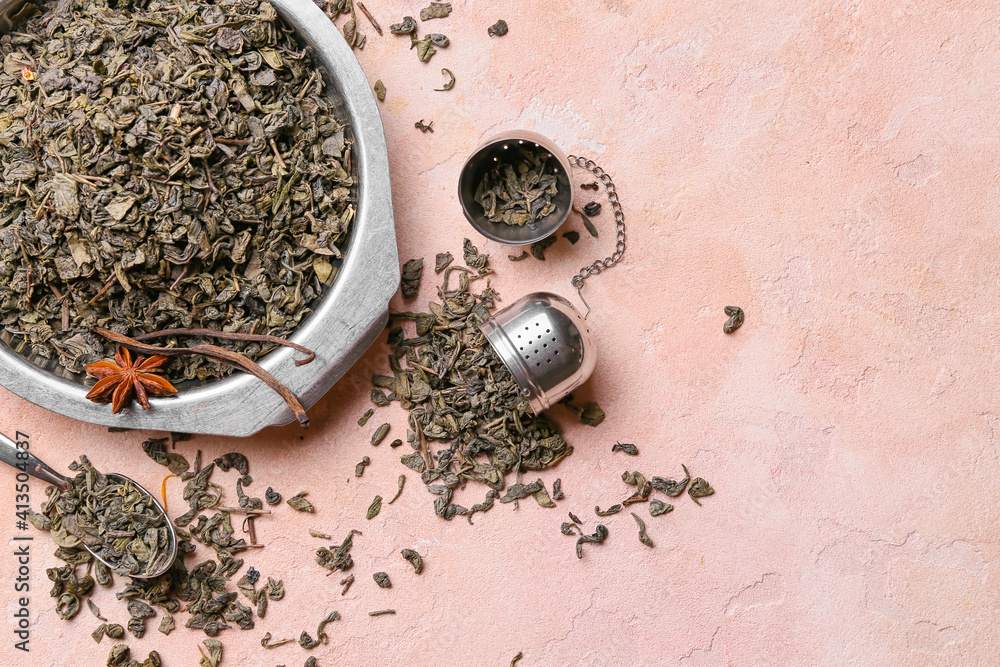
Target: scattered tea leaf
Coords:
[(272, 497), (451, 82), (669, 486), (557, 493), (599, 536), (420, 125), (98, 634), (382, 612), (593, 208), (575, 518), (406, 27), (631, 450), (518, 258), (382, 579), (538, 248), (365, 417), (411, 273), (425, 49), (396, 443), (414, 558), (570, 528), (658, 507), (542, 496), (414, 462), (699, 489), (401, 481), (95, 610), (316, 533), (436, 10), (498, 29), (573, 236), (380, 434), (735, 320), (484, 506), (380, 90), (614, 509), (589, 225), (441, 261), (374, 508), (588, 186), (346, 583), (438, 40), (299, 503), (643, 537), (267, 643), (359, 469), (321, 630)]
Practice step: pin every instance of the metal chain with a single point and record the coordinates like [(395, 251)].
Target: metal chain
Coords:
[(615, 257)]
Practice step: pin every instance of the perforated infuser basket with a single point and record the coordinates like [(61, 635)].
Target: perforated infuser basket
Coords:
[(545, 344)]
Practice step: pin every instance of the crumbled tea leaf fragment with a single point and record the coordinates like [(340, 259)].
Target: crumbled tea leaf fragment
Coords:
[(346, 583), (306, 640), (592, 208), (114, 631), (156, 449), (359, 469), (415, 560), (382, 612), (400, 482), (316, 533), (614, 509), (442, 260), (272, 497), (735, 320), (658, 507), (518, 258), (625, 447), (299, 503), (588, 186), (363, 419), (572, 236), (380, 90), (166, 624), (98, 634), (699, 489), (436, 10), (406, 27), (570, 528), (538, 248), (374, 508), (575, 518), (438, 40), (267, 643), (498, 29), (589, 225), (119, 655), (449, 85), (321, 630), (95, 610), (396, 443), (378, 397), (542, 495), (643, 537), (414, 462), (425, 49), (557, 493), (382, 579)]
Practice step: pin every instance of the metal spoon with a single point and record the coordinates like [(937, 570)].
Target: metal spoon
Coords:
[(28, 463)]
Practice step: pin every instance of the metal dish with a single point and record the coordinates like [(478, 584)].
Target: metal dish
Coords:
[(347, 318)]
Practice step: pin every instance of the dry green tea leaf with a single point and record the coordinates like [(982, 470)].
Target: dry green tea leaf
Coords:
[(380, 90), (658, 507), (614, 509), (425, 49), (518, 258), (441, 261), (166, 624), (410, 279), (382, 579), (643, 537), (321, 630), (363, 419), (542, 496), (382, 612), (415, 560), (538, 248), (588, 224), (299, 503), (699, 489), (498, 29), (267, 643), (735, 320), (272, 497), (631, 450), (346, 583), (359, 469), (401, 481), (436, 10), (669, 486), (374, 508), (96, 611), (408, 26), (600, 534), (380, 434), (451, 82), (557, 493), (573, 237)]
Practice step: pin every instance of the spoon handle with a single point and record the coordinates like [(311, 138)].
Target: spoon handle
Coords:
[(27, 462)]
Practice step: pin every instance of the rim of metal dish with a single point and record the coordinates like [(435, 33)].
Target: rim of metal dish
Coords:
[(347, 317)]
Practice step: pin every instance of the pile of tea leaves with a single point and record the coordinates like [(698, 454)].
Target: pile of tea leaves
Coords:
[(203, 592), (165, 165), (519, 190), (459, 393)]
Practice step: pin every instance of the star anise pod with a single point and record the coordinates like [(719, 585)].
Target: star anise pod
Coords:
[(121, 380)]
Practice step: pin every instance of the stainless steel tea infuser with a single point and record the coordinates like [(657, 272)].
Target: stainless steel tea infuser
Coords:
[(28, 463), (542, 339)]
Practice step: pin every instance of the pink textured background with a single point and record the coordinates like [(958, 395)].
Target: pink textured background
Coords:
[(831, 168)]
